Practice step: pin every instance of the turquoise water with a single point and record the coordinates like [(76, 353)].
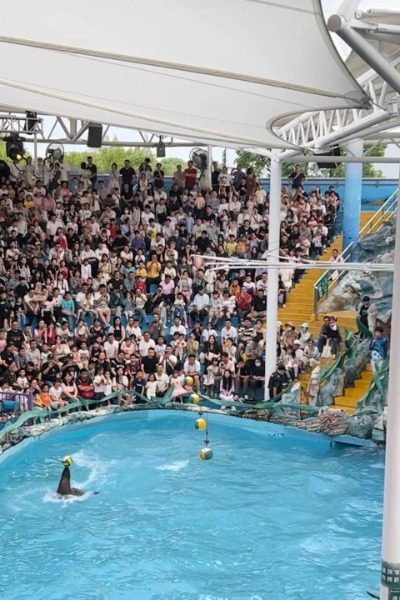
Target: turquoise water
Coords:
[(273, 516)]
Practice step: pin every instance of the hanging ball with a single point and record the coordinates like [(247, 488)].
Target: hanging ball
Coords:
[(206, 454), (189, 380), (200, 423), (195, 398), (67, 461)]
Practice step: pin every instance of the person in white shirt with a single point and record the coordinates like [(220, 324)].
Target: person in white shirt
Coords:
[(145, 344), (162, 380), (147, 215), (111, 346), (177, 327), (191, 368), (200, 305), (133, 328), (208, 331), (53, 225), (228, 331)]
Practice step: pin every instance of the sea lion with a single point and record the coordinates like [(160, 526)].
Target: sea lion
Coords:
[(64, 485)]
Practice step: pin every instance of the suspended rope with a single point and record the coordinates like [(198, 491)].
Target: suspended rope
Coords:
[(202, 424)]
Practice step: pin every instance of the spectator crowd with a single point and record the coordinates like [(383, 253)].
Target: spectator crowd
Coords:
[(103, 288)]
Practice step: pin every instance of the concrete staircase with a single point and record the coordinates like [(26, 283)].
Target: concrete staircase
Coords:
[(348, 402), (300, 301), (300, 308)]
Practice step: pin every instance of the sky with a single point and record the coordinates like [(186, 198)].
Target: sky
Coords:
[(329, 7)]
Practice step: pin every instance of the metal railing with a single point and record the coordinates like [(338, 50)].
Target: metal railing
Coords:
[(328, 280)]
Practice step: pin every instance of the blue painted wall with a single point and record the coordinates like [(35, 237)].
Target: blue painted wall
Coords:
[(372, 190)]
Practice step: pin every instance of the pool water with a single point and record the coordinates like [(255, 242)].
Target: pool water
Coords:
[(276, 514)]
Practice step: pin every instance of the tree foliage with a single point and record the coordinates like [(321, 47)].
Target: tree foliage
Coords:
[(104, 157), (260, 164)]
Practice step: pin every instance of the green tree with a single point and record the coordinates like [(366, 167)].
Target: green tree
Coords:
[(259, 163), (169, 164), (368, 168), (104, 158)]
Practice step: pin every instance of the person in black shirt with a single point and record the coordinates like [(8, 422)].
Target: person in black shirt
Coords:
[(242, 376), (215, 177), (128, 175), (278, 380), (323, 335), (259, 305), (158, 176), (22, 288), (4, 170), (15, 335), (297, 177), (364, 310), (139, 383), (150, 362), (90, 166), (50, 370), (203, 243), (5, 308)]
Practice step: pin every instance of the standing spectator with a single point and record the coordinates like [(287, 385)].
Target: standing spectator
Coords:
[(297, 177), (190, 176), (128, 175), (91, 167)]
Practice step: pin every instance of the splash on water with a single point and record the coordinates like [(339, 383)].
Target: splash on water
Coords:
[(177, 465)]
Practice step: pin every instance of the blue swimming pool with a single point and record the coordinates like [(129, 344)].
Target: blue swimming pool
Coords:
[(275, 515)]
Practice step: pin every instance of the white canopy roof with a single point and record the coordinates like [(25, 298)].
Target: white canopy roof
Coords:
[(219, 71)]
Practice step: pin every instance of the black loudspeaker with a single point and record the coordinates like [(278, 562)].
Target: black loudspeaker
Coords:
[(30, 122), (95, 134), (335, 151)]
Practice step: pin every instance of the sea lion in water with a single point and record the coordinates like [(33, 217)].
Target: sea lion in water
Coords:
[(64, 485)]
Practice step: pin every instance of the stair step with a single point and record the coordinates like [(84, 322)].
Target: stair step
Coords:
[(346, 401), (354, 394)]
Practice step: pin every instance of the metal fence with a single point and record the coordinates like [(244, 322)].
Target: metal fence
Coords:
[(329, 279)]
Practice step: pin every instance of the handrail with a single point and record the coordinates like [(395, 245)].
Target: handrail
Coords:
[(376, 384), (326, 282), (83, 403), (79, 403)]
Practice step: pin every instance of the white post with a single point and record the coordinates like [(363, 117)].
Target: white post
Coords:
[(35, 148), (273, 274), (390, 570)]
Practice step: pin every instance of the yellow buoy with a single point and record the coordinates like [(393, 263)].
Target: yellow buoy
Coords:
[(189, 380), (206, 454), (195, 398), (200, 423)]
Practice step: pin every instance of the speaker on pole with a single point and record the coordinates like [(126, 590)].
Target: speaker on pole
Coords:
[(95, 135), (335, 151)]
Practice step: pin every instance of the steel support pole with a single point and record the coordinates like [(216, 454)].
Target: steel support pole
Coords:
[(210, 167), (363, 48), (390, 571), (273, 274), (352, 195)]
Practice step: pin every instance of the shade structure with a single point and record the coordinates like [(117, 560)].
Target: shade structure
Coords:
[(220, 71)]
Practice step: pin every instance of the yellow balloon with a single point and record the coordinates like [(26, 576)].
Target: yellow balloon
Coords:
[(195, 398), (200, 424), (206, 454)]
